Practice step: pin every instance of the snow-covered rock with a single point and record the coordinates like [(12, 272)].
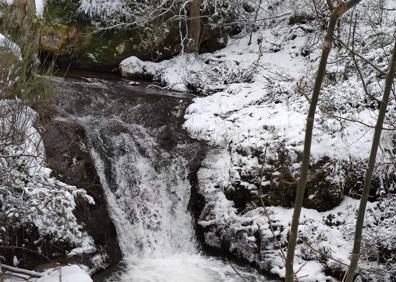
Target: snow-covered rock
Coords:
[(135, 67)]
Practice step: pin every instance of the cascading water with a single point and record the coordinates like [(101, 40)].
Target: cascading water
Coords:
[(142, 158)]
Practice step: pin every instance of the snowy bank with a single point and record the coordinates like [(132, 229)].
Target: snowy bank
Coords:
[(30, 199), (69, 273), (253, 109), (259, 234), (260, 103)]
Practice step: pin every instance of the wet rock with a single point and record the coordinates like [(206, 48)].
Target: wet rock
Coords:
[(68, 157)]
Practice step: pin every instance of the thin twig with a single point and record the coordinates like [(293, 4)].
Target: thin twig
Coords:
[(236, 271)]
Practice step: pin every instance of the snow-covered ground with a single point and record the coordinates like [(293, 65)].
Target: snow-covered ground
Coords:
[(68, 273), (253, 109)]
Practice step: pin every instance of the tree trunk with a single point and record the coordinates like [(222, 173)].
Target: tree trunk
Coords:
[(1, 273), (370, 169), (254, 22), (194, 27), (327, 46)]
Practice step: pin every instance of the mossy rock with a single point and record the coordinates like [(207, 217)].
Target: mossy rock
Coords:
[(73, 39), (280, 176), (331, 181), (75, 42)]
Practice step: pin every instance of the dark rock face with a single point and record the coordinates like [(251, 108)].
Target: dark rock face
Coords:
[(328, 183), (276, 180), (68, 157), (31, 249)]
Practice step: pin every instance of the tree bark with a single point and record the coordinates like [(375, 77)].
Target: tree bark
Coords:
[(336, 13), (194, 27), (370, 169)]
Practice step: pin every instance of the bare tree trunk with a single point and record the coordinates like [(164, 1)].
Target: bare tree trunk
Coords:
[(336, 13), (254, 22), (1, 272), (370, 169), (194, 27)]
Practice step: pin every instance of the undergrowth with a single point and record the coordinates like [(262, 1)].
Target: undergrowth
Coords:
[(22, 76)]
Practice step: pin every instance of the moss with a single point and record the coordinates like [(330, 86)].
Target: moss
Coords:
[(58, 39), (64, 13)]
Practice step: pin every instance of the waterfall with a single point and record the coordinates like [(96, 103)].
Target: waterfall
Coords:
[(142, 157), (147, 188)]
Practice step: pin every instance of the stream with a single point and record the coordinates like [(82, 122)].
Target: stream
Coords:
[(143, 158)]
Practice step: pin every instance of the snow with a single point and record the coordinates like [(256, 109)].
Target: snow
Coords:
[(173, 74), (254, 98), (40, 4), (66, 273), (267, 108), (8, 44), (70, 273), (330, 232), (28, 194), (257, 97)]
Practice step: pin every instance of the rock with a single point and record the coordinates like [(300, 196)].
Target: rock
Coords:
[(213, 41), (329, 180), (70, 161), (133, 67), (74, 41)]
